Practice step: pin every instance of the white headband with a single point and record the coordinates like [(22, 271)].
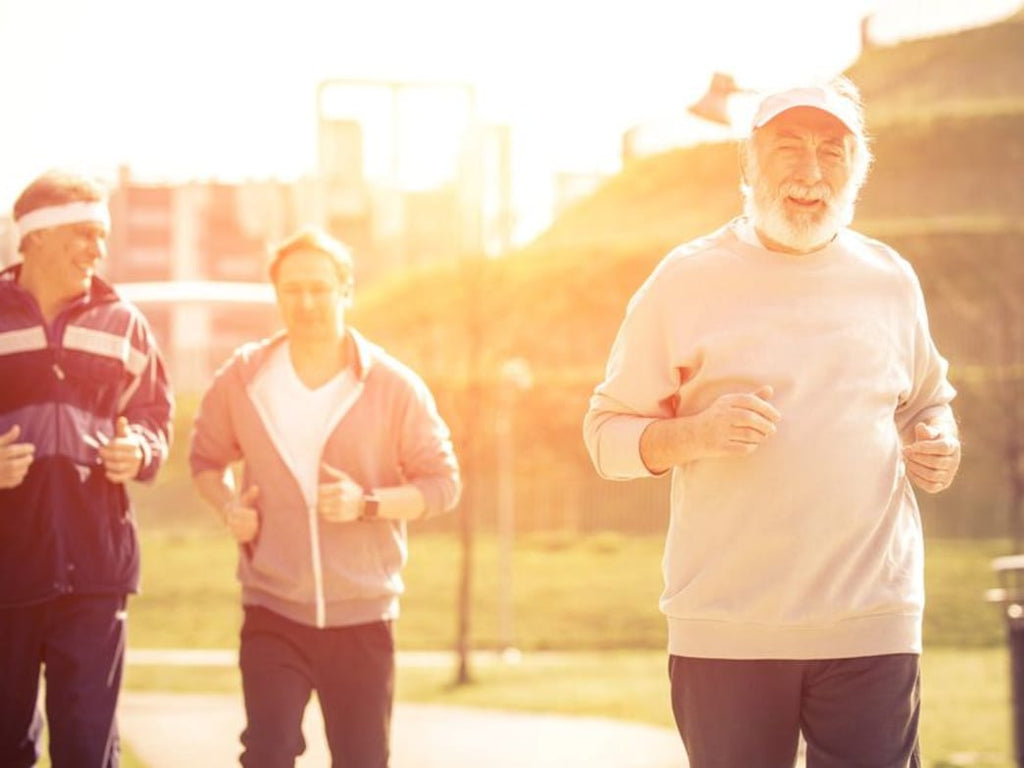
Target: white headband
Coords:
[(69, 213)]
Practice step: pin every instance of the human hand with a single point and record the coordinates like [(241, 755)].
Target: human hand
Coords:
[(15, 458), (735, 424), (341, 499), (122, 454), (932, 459), (241, 517)]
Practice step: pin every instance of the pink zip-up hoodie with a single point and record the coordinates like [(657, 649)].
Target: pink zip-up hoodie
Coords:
[(389, 433)]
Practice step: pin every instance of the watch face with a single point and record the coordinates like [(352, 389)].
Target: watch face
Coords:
[(370, 507)]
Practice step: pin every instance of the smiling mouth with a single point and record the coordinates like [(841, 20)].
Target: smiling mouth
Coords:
[(807, 204)]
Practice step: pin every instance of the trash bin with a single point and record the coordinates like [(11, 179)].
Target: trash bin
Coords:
[(1010, 594)]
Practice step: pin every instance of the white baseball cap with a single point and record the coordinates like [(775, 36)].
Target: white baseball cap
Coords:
[(817, 97)]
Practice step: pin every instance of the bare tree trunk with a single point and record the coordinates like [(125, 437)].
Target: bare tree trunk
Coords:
[(1017, 513), (463, 646), (472, 277), (1011, 403)]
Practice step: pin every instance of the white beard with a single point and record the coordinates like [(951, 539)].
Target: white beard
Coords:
[(801, 231)]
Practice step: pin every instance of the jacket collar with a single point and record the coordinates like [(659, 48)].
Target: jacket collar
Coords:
[(99, 291), (363, 353)]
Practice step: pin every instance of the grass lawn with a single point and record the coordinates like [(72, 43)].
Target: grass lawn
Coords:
[(586, 619), (965, 718)]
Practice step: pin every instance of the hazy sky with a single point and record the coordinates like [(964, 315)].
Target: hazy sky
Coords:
[(203, 88)]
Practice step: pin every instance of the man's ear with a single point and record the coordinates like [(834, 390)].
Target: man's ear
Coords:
[(29, 244), (743, 158)]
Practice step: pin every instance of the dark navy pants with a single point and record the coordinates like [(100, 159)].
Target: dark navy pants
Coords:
[(79, 641), (352, 670), (750, 714)]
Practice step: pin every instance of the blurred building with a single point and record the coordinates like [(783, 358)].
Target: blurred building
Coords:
[(214, 231), (184, 234), (222, 232)]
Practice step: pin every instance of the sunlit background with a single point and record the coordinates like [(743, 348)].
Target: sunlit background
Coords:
[(227, 90), (537, 139)]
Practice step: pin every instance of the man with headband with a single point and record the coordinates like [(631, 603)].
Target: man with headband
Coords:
[(85, 407), (782, 369)]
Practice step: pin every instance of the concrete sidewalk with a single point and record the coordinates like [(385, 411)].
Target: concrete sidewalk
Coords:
[(201, 731)]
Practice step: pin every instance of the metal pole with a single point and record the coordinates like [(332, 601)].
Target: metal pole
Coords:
[(1015, 634), (506, 493), (516, 377), (1010, 595)]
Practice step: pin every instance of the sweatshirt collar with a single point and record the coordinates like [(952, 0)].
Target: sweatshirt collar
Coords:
[(362, 352), (747, 244)]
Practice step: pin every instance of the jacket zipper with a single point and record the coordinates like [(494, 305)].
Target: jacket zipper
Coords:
[(318, 571), (316, 560), (314, 527)]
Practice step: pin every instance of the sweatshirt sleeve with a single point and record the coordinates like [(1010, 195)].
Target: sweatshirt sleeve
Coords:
[(930, 392), (213, 445), (640, 386), (148, 403), (427, 456)]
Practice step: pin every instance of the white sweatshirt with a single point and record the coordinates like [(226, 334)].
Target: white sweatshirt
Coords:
[(811, 546)]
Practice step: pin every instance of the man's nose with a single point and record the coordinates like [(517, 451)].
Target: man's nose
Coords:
[(808, 169)]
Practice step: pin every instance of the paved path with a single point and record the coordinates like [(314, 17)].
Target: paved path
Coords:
[(201, 731)]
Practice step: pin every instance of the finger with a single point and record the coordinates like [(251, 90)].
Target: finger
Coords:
[(331, 513), (928, 480), (109, 454), (243, 532), (121, 428), (249, 495), (932, 469), (17, 469), (118, 476), (11, 435), (329, 503), (931, 460), (932, 448), (765, 392), (17, 463), (940, 447), (19, 451), (945, 464), (755, 422), (752, 434), (241, 518), (740, 447), (330, 496), (337, 474), (924, 432), (756, 405)]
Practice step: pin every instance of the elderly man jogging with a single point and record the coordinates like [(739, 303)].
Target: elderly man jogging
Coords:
[(782, 369)]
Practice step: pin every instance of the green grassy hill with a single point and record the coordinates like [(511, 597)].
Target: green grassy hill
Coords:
[(947, 190)]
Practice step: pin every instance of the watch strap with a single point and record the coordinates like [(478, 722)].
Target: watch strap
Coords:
[(371, 507)]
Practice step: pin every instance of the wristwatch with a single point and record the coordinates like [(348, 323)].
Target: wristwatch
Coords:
[(371, 507)]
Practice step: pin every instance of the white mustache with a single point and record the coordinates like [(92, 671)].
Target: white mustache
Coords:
[(801, 192)]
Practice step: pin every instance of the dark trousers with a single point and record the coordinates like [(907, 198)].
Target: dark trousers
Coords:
[(79, 640), (352, 669), (749, 714)]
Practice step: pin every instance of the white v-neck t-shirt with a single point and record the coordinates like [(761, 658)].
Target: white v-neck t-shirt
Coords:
[(299, 417)]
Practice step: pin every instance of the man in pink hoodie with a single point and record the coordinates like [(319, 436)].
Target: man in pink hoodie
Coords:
[(340, 444)]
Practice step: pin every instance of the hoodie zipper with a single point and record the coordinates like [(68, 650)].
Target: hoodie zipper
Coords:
[(316, 560)]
